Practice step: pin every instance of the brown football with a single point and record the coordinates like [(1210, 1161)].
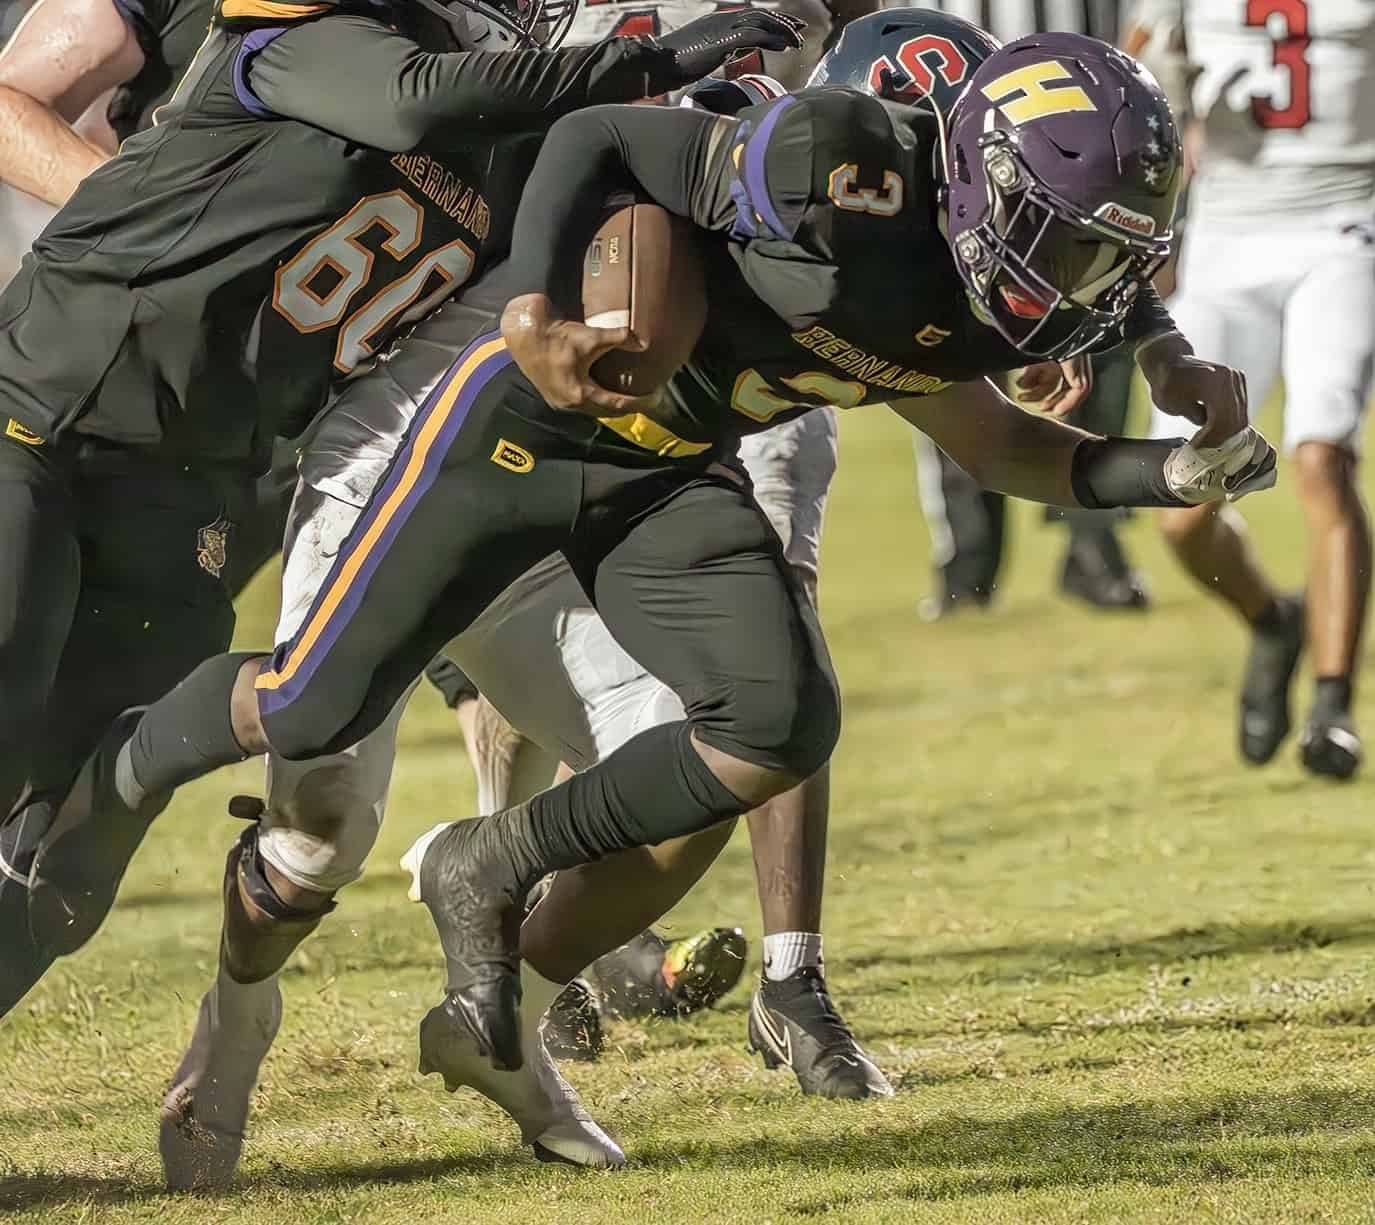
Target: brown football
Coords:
[(643, 270)]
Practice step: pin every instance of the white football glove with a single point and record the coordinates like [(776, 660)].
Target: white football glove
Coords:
[(1241, 465)]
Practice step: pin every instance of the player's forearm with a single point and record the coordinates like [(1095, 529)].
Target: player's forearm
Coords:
[(39, 151), (998, 444), (1038, 458), (355, 77), (658, 153)]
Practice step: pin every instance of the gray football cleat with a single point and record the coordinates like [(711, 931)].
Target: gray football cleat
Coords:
[(22, 961), (205, 1112), (82, 858), (543, 1105)]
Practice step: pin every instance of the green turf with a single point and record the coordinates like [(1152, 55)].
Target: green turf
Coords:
[(1113, 975)]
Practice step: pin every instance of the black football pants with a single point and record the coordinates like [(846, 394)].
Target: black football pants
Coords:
[(110, 592), (678, 559)]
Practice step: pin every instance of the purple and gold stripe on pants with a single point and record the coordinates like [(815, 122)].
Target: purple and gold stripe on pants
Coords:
[(412, 473)]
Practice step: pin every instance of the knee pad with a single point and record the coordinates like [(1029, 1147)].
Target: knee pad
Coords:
[(260, 929), (323, 816)]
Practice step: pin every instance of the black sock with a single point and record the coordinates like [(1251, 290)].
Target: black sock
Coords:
[(188, 732), (654, 787), (1331, 696), (1271, 619)]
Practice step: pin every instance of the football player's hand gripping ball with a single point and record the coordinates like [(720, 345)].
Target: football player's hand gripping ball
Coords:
[(556, 355)]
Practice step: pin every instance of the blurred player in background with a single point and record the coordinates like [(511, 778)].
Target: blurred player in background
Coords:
[(1277, 277), (968, 524)]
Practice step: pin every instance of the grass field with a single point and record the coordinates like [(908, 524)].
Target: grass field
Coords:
[(1113, 975)]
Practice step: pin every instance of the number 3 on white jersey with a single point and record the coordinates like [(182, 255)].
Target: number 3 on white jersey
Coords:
[(339, 250)]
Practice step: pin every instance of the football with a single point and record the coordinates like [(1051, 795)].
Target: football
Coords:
[(643, 270)]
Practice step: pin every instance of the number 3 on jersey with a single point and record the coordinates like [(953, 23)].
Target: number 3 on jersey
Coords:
[(317, 288), (1290, 53)]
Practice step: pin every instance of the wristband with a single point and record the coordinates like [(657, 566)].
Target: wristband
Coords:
[(1110, 472)]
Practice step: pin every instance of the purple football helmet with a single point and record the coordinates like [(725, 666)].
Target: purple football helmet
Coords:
[(917, 56), (1063, 169)]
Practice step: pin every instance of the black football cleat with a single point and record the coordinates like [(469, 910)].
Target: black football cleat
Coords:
[(944, 603), (651, 976), (1101, 577), (573, 1024), (466, 875), (1330, 745), (794, 1024), (1270, 668), (22, 962), (82, 859)]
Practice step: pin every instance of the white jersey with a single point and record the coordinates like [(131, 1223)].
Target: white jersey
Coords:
[(1286, 92)]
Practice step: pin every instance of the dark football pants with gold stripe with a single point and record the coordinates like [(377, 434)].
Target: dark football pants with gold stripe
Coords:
[(109, 595), (680, 562)]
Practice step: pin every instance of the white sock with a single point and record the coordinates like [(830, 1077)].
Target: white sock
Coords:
[(537, 993), (787, 952)]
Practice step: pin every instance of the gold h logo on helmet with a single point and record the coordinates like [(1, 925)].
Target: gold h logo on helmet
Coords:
[(1036, 99)]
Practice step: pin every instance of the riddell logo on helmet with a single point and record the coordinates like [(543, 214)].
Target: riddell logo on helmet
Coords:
[(1126, 219)]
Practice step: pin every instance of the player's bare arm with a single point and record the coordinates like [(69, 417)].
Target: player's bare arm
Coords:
[(62, 58), (1044, 460)]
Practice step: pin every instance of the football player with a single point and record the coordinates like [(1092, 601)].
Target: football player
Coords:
[(208, 287), (66, 53), (1277, 276), (567, 660), (135, 51), (854, 255)]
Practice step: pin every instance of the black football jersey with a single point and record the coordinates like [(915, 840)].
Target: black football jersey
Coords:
[(828, 277), (204, 288), (837, 235), (168, 32)]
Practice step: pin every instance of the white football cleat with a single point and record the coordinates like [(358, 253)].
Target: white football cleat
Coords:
[(545, 1106), (205, 1111)]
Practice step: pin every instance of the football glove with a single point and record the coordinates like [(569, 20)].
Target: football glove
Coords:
[(1243, 464), (702, 46)]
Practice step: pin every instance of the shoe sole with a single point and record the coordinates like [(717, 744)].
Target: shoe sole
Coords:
[(712, 964)]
